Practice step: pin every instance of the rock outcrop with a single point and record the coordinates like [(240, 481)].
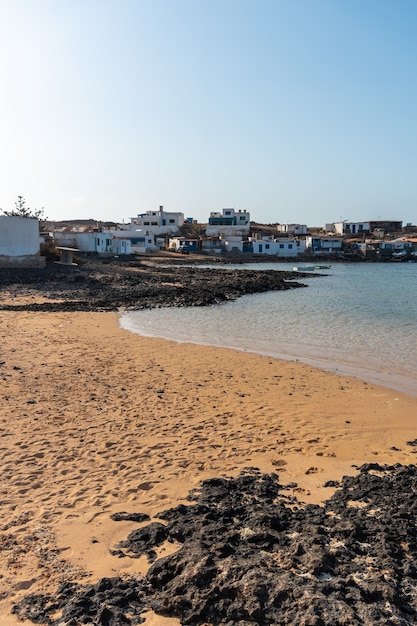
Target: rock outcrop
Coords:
[(251, 553)]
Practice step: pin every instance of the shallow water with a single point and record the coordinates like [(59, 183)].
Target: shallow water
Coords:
[(360, 320)]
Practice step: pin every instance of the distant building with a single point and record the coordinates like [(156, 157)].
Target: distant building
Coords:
[(394, 247), (359, 228), (293, 229), (155, 222), (212, 244), (323, 245), (145, 230), (191, 244), (229, 223), (349, 228), (100, 242), (288, 247)]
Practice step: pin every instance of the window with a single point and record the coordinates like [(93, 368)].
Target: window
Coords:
[(107, 242), (154, 223), (281, 245), (146, 223), (228, 213), (267, 246), (290, 246), (242, 218), (172, 221)]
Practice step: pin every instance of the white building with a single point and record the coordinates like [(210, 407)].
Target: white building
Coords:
[(369, 226), (145, 229), (279, 247), (212, 244), (233, 244), (19, 242), (350, 228), (293, 229), (139, 242), (323, 245), (155, 222), (190, 243), (228, 223), (97, 242)]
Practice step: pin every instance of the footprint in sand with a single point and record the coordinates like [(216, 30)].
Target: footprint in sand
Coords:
[(312, 470), (278, 462)]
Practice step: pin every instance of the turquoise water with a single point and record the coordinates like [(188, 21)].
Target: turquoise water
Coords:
[(359, 320)]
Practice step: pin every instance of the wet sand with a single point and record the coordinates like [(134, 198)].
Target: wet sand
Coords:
[(97, 420)]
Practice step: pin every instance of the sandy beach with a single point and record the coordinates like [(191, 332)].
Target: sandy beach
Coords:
[(96, 420)]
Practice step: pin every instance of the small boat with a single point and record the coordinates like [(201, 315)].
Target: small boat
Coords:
[(310, 268), (399, 255)]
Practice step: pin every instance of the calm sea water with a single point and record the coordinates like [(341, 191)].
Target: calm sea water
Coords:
[(359, 320)]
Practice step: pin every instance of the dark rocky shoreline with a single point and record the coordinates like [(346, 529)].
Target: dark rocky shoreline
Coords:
[(116, 284), (249, 553)]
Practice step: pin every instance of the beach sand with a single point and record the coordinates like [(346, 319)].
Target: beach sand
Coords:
[(96, 420)]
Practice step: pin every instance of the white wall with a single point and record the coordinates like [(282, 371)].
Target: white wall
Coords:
[(19, 242), (18, 236)]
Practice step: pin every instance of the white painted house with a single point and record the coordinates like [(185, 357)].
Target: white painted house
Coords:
[(155, 222), (279, 247), (351, 228), (369, 226), (19, 242), (229, 223), (323, 245), (144, 230), (233, 244), (102, 242), (139, 241), (293, 229), (212, 244), (190, 243)]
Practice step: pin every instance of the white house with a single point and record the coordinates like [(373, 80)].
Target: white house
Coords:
[(293, 229), (401, 244), (350, 228), (144, 229), (121, 245), (228, 223), (19, 242), (212, 244), (155, 222), (369, 226), (102, 242), (233, 244), (191, 243), (279, 247), (140, 242), (323, 245)]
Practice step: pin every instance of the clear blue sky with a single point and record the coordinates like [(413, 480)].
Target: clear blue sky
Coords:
[(296, 110)]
